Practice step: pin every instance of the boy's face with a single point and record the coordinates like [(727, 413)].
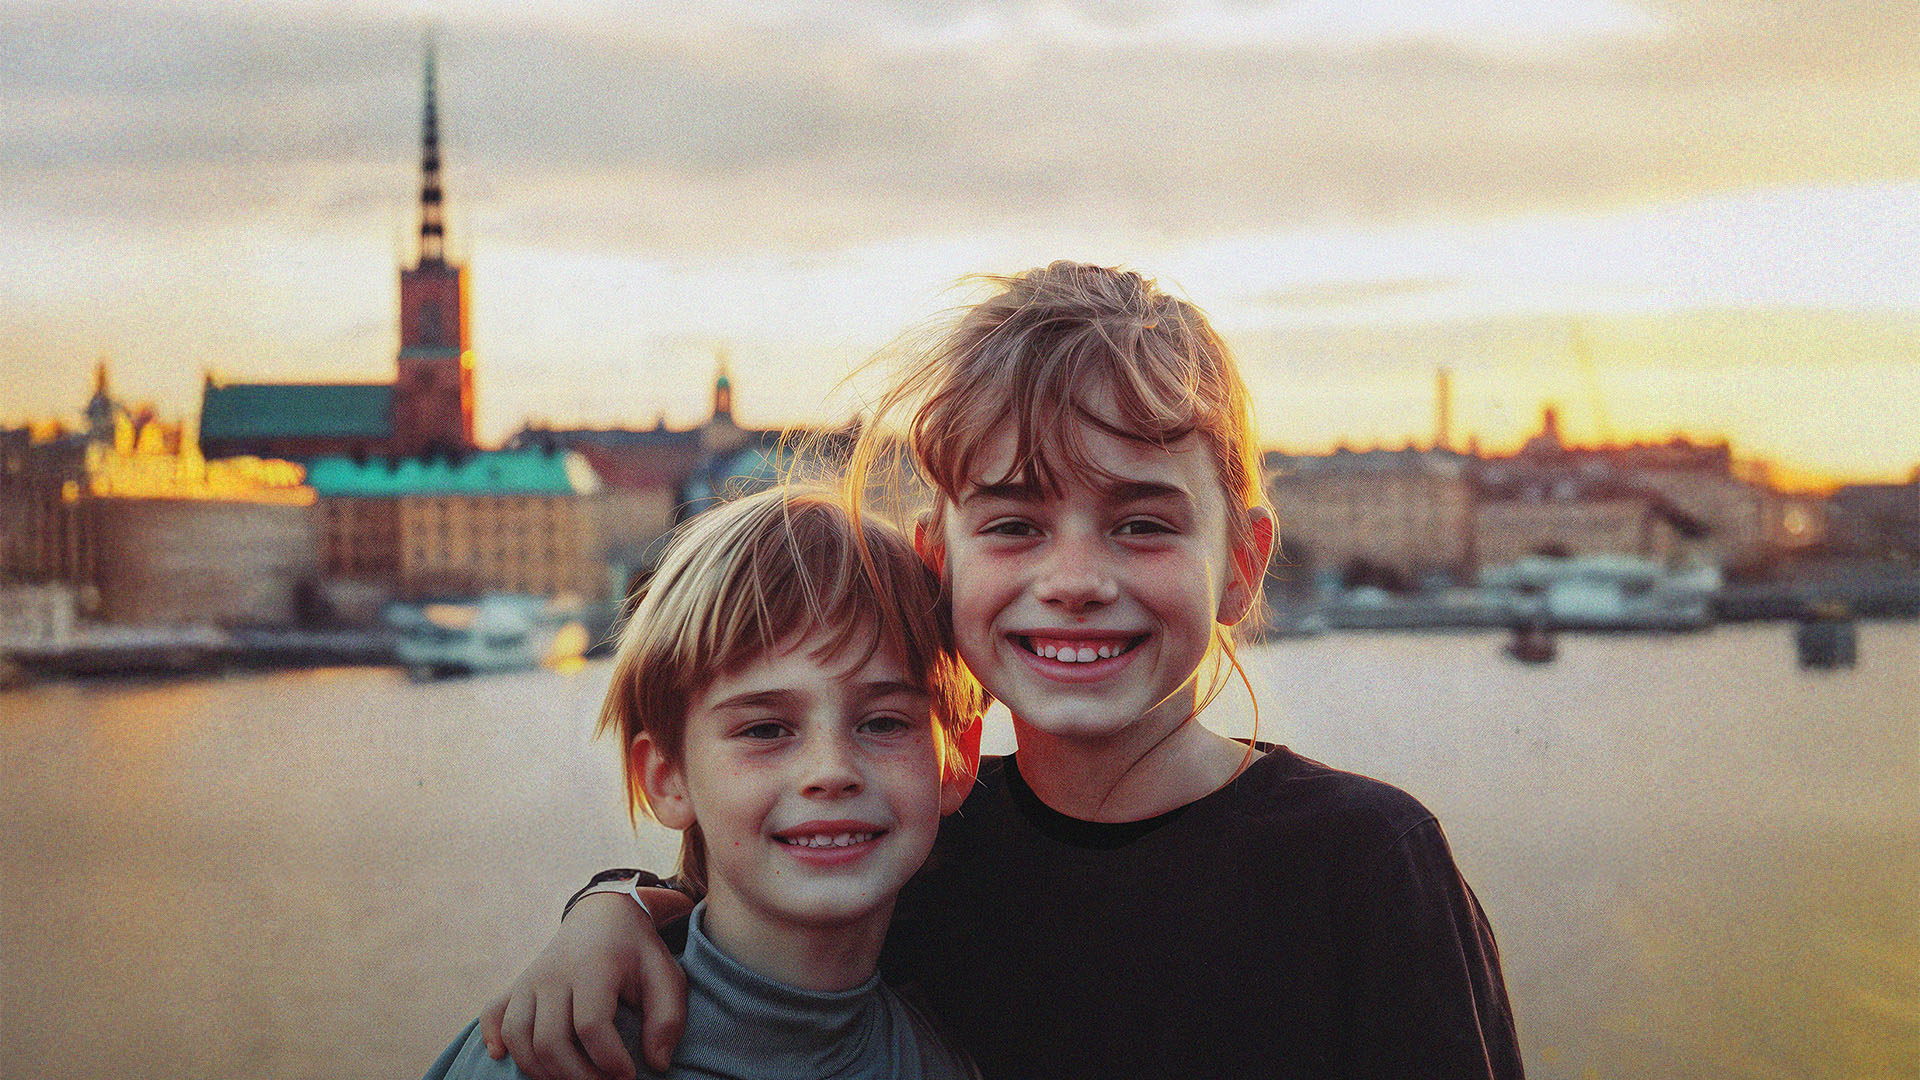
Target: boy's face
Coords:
[(816, 784), (1089, 612)]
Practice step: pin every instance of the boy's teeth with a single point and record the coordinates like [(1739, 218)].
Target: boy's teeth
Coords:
[(829, 840)]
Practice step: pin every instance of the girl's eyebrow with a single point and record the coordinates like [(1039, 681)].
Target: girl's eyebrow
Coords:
[(1008, 492), (1128, 491), (1120, 491)]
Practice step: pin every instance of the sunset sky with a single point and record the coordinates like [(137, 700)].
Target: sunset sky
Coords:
[(1721, 198)]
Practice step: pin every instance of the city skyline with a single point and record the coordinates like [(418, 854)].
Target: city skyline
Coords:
[(1663, 218)]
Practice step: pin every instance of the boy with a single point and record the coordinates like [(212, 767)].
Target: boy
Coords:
[(788, 699)]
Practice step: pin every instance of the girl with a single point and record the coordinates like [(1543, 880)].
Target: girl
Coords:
[(1130, 894)]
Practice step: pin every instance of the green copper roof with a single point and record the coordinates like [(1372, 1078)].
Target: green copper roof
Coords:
[(495, 472), (282, 410)]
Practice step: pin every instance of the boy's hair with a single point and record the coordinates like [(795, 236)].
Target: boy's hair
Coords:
[(768, 571), (1055, 350)]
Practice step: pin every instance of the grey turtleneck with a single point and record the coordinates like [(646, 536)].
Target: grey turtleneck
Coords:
[(742, 1025)]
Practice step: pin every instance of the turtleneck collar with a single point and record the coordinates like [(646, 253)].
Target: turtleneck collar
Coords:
[(783, 1030)]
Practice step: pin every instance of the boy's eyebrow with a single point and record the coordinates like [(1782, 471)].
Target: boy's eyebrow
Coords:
[(890, 688), (757, 699), (778, 697)]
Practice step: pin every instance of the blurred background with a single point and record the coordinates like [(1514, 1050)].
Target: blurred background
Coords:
[(355, 358)]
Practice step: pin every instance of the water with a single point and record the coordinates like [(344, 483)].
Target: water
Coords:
[(1700, 860)]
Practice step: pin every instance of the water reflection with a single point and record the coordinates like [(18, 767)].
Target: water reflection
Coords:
[(1702, 861)]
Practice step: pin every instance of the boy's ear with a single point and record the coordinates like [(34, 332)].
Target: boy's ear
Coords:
[(927, 544), (1249, 566), (665, 783)]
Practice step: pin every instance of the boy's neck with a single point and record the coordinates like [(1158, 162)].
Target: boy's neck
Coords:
[(824, 957), (1143, 771)]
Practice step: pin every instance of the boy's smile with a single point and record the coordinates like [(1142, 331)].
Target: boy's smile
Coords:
[(1091, 610)]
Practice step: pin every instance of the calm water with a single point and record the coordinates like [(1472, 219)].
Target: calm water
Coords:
[(1701, 862)]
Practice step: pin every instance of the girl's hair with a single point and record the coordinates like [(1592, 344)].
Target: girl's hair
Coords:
[(784, 567), (1051, 353)]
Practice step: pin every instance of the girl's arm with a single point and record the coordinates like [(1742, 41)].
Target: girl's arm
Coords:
[(556, 1019)]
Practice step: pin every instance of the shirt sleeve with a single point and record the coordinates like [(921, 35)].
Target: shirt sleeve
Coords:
[(1425, 997), (466, 1059)]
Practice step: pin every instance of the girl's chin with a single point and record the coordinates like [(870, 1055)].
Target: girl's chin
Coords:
[(1073, 726)]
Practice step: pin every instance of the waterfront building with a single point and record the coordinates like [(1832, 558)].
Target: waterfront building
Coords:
[(1406, 517), (1749, 522), (651, 479), (492, 521), (129, 516), (1879, 521), (429, 406)]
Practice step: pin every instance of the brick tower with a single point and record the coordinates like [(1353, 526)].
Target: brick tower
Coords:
[(433, 394)]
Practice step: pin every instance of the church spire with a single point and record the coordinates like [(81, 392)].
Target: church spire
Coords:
[(723, 390), (432, 223)]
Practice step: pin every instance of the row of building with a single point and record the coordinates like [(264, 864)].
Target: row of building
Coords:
[(145, 527)]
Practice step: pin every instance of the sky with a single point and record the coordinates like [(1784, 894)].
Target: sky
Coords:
[(1685, 216)]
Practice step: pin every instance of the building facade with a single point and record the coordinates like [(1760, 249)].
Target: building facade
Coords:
[(142, 529), (496, 521), (1410, 516)]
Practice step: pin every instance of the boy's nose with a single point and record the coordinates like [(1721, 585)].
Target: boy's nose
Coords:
[(830, 769)]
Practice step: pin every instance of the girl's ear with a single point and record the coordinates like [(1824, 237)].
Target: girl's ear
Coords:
[(665, 783), (928, 545), (1249, 566)]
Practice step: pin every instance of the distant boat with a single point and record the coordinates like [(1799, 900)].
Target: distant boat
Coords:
[(1605, 592), (1533, 643), (1826, 638), (497, 632)]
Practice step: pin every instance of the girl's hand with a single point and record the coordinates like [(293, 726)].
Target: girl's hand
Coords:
[(557, 1017)]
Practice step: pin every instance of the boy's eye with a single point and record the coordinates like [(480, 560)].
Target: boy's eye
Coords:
[(885, 725), (765, 729), (1010, 528)]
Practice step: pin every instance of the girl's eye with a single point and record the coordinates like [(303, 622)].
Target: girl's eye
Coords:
[(765, 729), (1143, 527)]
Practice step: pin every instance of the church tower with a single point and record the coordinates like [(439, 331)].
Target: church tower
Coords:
[(433, 394)]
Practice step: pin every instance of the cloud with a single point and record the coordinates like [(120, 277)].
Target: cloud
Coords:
[(757, 125)]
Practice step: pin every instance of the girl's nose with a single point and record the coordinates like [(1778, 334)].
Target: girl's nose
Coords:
[(1077, 576)]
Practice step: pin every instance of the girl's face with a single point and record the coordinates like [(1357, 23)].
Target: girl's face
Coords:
[(1089, 613)]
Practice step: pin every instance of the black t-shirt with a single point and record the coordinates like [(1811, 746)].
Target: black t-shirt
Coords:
[(1299, 922)]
